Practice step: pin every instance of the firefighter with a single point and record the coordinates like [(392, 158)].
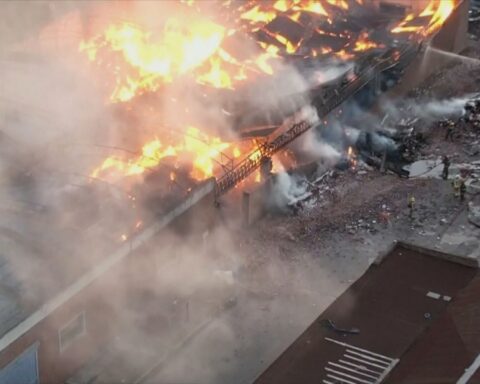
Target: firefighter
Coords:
[(477, 106), (463, 190), (469, 110), (411, 205), (456, 186), (449, 132), (446, 165), (384, 217), (462, 123), (316, 192), (296, 207)]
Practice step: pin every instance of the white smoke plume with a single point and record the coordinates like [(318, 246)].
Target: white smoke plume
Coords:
[(442, 108), (318, 150), (429, 111), (329, 73), (382, 143), (286, 189), (352, 135)]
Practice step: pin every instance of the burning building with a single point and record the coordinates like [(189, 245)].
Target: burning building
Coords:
[(153, 108)]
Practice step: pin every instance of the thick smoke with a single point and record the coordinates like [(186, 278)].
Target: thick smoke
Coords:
[(319, 150), (381, 143), (428, 111), (57, 223), (264, 284), (286, 189), (376, 130), (367, 131), (50, 117), (443, 108), (330, 73)]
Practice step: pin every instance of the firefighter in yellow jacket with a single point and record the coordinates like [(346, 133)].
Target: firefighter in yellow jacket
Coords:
[(411, 205), (463, 190), (456, 183)]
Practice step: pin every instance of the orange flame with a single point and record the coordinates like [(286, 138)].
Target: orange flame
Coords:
[(256, 15), (149, 61), (312, 6), (363, 43), (437, 10), (201, 149), (180, 49), (352, 157), (142, 61), (195, 46)]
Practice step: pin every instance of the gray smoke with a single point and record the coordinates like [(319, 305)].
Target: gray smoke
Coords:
[(442, 108), (328, 73), (429, 111), (317, 149), (286, 189), (57, 223)]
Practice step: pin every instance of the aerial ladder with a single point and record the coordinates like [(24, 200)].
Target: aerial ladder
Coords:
[(265, 151)]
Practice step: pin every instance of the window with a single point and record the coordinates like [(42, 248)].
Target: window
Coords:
[(74, 329), (24, 369)]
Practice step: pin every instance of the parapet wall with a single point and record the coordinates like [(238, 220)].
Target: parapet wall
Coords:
[(94, 295)]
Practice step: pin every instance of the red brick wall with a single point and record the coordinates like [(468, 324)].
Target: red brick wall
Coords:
[(55, 367), (101, 300)]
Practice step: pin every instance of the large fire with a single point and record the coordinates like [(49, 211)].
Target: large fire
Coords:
[(180, 49), (147, 60), (195, 147), (437, 11), (196, 49), (144, 60)]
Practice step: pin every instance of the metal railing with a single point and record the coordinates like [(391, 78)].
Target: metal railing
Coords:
[(253, 161)]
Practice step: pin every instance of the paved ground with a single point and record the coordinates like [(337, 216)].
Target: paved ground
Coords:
[(297, 273)]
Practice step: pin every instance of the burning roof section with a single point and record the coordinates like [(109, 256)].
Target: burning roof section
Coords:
[(240, 40), (192, 42), (234, 47)]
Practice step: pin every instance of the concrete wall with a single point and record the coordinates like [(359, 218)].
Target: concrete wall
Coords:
[(256, 204), (96, 296)]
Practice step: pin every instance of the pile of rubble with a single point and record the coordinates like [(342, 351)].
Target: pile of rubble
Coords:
[(403, 152), (317, 190), (474, 213), (361, 224)]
